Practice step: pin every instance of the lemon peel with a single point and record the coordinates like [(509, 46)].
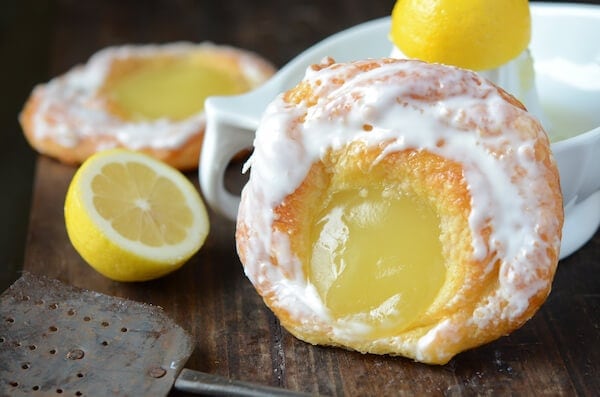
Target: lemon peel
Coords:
[(472, 34)]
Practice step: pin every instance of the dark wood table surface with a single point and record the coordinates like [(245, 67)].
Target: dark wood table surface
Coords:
[(556, 353)]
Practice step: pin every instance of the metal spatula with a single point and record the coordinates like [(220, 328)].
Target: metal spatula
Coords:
[(61, 340)]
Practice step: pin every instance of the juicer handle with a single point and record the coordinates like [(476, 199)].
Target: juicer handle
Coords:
[(223, 138), (230, 126)]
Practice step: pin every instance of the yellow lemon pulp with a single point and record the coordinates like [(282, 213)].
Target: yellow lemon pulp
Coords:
[(175, 88), (472, 34), (141, 205), (379, 255), (133, 218)]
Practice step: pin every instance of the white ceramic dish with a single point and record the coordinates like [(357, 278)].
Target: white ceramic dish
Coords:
[(566, 49)]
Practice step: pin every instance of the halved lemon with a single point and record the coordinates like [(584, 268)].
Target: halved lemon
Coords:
[(132, 217), (472, 34)]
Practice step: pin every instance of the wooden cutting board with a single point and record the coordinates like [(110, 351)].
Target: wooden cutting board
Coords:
[(556, 353)]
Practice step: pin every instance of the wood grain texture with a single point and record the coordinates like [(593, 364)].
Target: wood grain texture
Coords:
[(556, 353)]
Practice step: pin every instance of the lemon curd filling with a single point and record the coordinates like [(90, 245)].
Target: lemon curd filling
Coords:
[(140, 204), (377, 254), (174, 88)]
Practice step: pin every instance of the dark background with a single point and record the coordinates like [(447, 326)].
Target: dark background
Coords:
[(32, 33), (556, 353)]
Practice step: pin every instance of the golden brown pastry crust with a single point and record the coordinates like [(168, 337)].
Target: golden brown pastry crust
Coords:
[(184, 155), (458, 318)]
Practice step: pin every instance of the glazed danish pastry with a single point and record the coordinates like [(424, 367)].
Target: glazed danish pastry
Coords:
[(399, 207), (141, 97)]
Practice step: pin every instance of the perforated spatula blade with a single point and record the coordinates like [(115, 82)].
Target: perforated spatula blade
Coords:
[(61, 340)]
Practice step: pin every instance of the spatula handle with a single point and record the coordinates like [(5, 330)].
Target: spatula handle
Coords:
[(208, 384)]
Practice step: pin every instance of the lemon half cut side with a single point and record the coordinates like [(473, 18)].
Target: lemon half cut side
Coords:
[(132, 217)]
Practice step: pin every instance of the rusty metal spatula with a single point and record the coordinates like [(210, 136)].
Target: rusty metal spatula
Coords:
[(61, 340)]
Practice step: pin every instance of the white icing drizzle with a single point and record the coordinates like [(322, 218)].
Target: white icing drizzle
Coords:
[(516, 76), (510, 203), (70, 108)]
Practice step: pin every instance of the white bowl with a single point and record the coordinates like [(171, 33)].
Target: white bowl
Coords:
[(566, 49)]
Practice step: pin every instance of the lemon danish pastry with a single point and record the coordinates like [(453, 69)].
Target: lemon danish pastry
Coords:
[(399, 207), (141, 97)]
